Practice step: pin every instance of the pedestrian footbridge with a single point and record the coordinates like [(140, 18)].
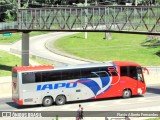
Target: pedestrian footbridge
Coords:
[(122, 19)]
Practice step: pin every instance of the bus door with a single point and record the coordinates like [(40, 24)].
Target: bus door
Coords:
[(136, 74), (141, 84)]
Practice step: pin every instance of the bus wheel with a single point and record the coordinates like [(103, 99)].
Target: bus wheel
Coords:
[(60, 100), (47, 101), (126, 93)]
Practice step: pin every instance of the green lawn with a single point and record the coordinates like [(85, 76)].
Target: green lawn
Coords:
[(16, 36), (7, 61), (154, 118), (126, 47)]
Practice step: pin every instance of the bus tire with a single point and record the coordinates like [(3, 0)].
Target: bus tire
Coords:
[(47, 101), (60, 100), (126, 93)]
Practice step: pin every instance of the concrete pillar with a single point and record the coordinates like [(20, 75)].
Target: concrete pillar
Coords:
[(86, 20), (25, 49), (107, 35)]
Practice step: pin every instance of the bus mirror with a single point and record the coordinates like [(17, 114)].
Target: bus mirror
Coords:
[(145, 69)]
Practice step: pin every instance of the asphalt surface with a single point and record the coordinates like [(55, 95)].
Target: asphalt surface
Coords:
[(39, 47)]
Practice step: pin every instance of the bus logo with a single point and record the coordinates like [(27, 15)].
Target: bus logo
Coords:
[(56, 86)]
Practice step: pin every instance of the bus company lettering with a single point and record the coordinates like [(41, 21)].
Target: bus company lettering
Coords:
[(56, 86)]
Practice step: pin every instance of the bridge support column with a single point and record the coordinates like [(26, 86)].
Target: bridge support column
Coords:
[(25, 48)]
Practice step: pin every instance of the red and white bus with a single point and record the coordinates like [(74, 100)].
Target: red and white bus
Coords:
[(48, 84)]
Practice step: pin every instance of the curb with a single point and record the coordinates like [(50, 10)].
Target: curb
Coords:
[(49, 43)]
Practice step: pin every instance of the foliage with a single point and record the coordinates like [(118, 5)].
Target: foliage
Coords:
[(10, 9)]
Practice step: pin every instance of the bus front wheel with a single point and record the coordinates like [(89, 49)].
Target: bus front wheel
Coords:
[(60, 100), (126, 93), (47, 101)]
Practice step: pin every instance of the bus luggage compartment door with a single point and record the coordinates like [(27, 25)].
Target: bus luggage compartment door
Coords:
[(31, 98)]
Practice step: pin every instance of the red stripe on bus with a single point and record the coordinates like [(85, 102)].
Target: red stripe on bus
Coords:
[(30, 68)]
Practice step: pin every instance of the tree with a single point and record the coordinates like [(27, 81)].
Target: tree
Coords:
[(10, 8)]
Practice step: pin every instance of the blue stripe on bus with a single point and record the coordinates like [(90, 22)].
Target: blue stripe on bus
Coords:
[(90, 84), (105, 81)]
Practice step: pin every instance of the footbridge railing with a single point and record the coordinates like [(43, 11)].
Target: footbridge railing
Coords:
[(128, 19)]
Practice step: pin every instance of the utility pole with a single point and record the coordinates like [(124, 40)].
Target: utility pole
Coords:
[(86, 18)]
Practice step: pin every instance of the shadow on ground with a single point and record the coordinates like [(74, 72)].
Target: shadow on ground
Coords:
[(158, 53), (151, 43), (5, 67), (15, 105), (154, 90)]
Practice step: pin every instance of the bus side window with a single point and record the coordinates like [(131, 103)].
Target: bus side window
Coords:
[(89, 72), (133, 72), (51, 76), (130, 71), (124, 71), (28, 77), (85, 73), (70, 74), (38, 77)]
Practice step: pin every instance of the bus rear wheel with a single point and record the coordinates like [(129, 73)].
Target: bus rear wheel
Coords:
[(126, 93), (47, 101), (60, 100)]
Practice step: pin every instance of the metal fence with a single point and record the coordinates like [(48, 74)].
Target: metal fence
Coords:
[(8, 25)]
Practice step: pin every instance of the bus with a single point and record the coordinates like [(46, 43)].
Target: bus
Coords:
[(49, 84)]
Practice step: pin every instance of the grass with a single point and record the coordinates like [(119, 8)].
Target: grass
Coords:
[(125, 47), (16, 36), (7, 61), (154, 118)]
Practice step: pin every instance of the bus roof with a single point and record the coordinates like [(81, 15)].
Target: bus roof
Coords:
[(44, 68), (125, 63), (32, 68), (100, 64), (50, 67)]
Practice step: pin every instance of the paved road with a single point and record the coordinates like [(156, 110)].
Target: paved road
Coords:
[(38, 48)]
